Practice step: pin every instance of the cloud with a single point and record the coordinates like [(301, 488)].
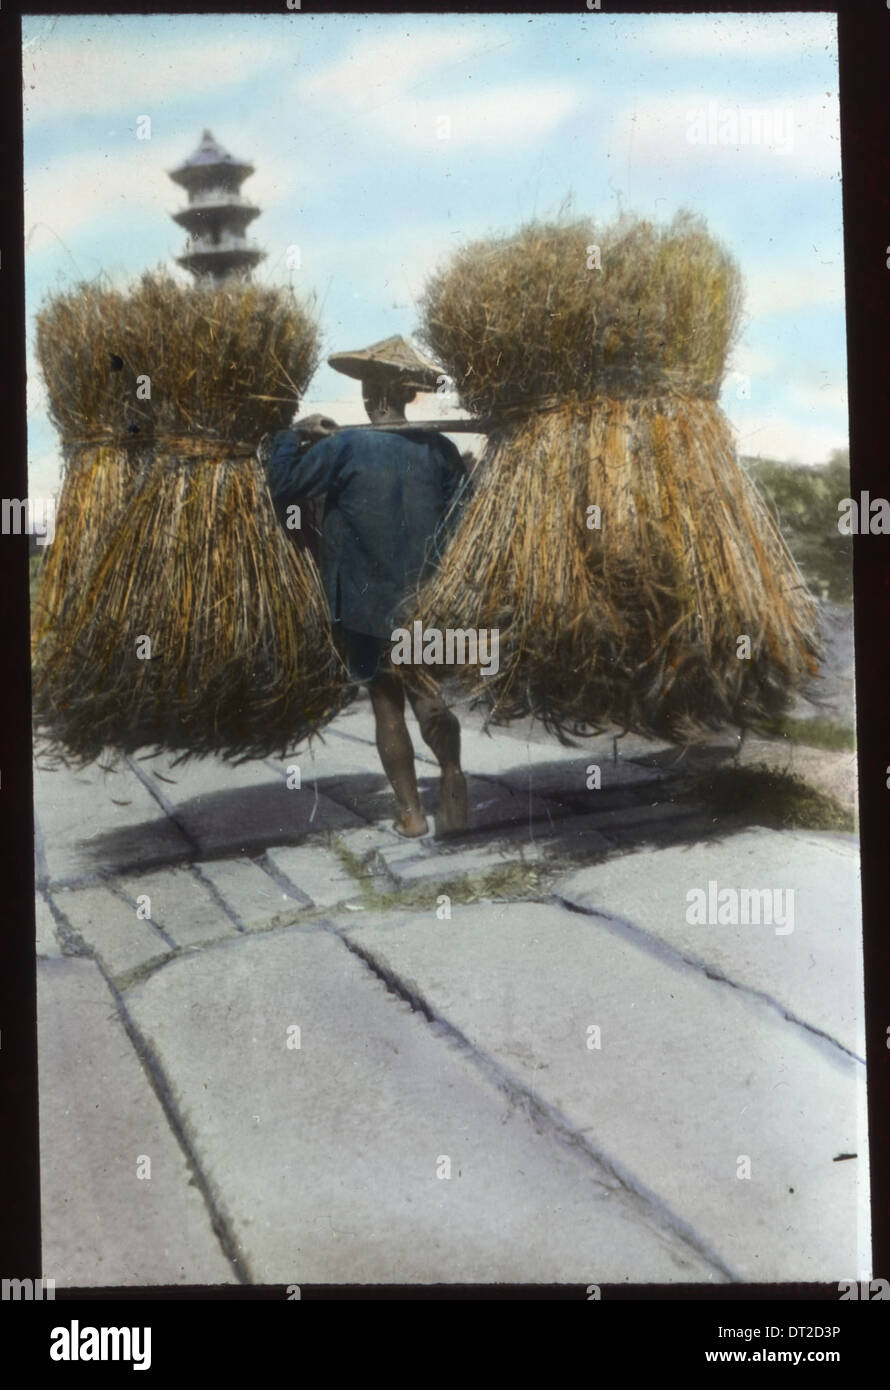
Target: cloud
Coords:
[(380, 80), (823, 395), (713, 131), (377, 69), (788, 287), (739, 36), (37, 395), (45, 473), (67, 192), (778, 437), (751, 362), (62, 195), (120, 68), (501, 118)]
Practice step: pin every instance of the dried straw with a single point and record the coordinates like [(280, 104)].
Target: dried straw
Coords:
[(174, 537), (606, 385)]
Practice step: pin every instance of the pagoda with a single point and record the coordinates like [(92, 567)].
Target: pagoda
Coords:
[(217, 213)]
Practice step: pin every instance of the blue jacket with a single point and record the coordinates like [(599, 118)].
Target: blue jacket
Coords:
[(387, 496)]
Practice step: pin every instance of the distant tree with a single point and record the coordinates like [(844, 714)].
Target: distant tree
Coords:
[(804, 502)]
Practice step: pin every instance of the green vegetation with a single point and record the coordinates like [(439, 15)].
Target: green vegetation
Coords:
[(779, 800), (815, 733), (804, 502), (513, 879), (34, 563)]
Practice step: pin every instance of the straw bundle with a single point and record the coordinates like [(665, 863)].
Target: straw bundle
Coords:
[(166, 529), (603, 384)]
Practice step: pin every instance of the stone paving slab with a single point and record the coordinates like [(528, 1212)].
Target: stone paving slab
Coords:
[(814, 971), (90, 819), (340, 756), (250, 894), (46, 939), (325, 1158), (690, 1077), (366, 796), (102, 1225), (367, 839), (249, 819), (318, 873), (202, 776), (622, 827), (410, 867), (491, 804), (121, 940), (505, 752), (832, 770), (181, 904), (567, 779), (487, 755), (570, 835)]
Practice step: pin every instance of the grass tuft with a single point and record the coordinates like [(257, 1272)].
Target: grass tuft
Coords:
[(778, 800)]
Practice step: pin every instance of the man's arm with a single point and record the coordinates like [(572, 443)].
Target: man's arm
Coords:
[(295, 471)]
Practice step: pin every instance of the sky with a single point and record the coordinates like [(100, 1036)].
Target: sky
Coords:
[(383, 142)]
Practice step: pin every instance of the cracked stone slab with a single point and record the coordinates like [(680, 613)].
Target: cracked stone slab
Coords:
[(367, 839), (202, 776), (814, 971), (121, 940), (252, 895), (91, 819), (339, 756), (409, 866), (248, 819), (689, 1079), (367, 794), (46, 940), (325, 1157), (181, 904), (101, 1224), (493, 805), (566, 779), (626, 825), (317, 872)]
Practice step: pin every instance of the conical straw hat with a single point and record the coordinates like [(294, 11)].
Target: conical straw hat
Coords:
[(393, 358)]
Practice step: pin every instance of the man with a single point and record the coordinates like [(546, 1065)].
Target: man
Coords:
[(386, 497)]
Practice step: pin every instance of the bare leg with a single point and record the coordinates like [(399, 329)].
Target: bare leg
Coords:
[(397, 752), (440, 731)]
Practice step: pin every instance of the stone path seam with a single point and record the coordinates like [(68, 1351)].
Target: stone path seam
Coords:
[(281, 879), (216, 895), (115, 887), (220, 1224), (419, 755), (72, 942), (670, 955), (41, 868), (166, 805), (654, 1210)]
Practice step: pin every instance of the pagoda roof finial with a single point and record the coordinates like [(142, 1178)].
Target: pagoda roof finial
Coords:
[(210, 159), (217, 213)]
